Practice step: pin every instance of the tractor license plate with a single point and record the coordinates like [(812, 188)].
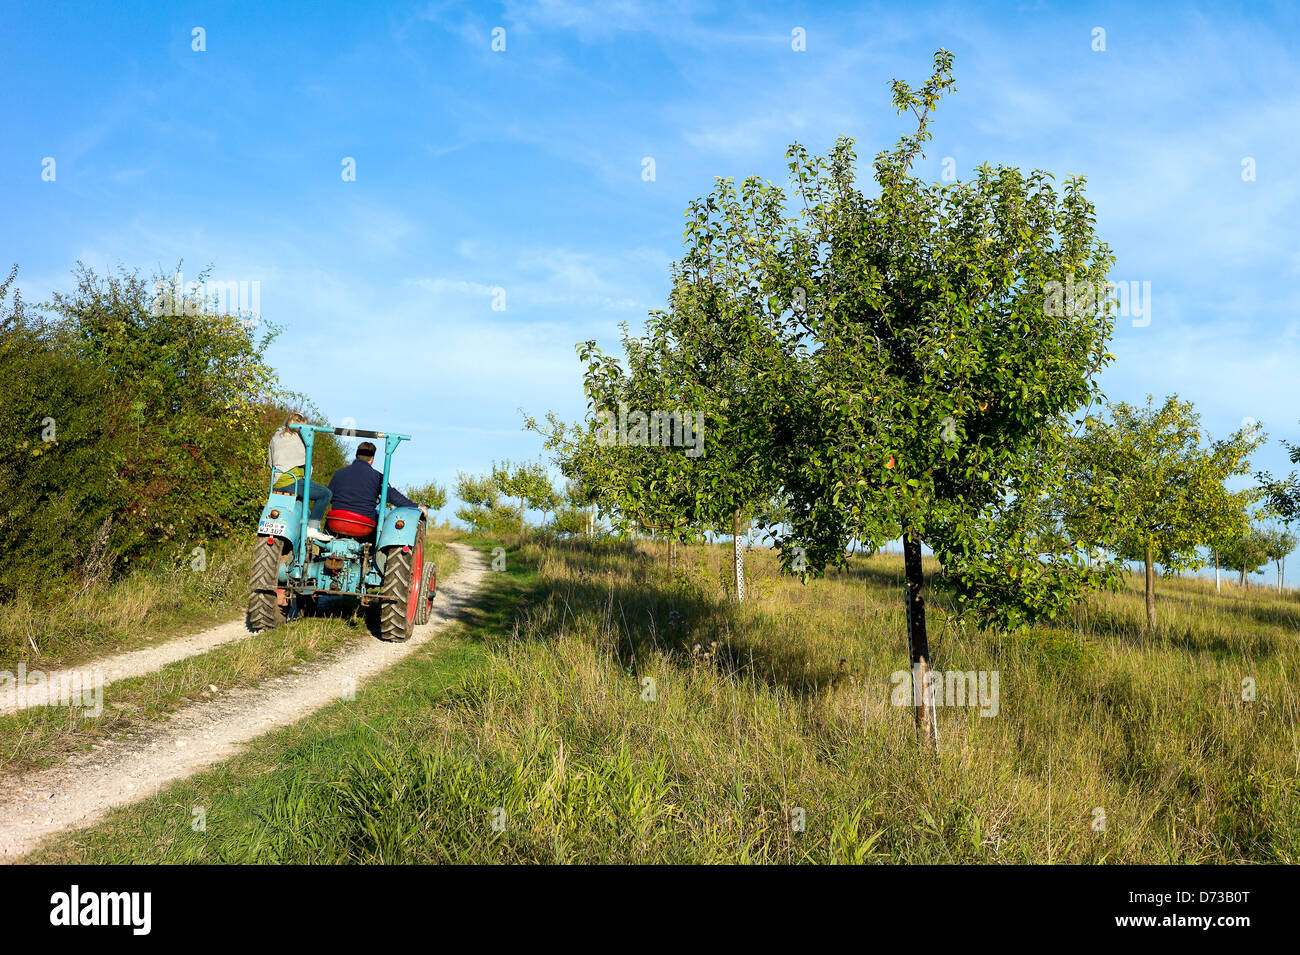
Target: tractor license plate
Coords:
[(271, 528)]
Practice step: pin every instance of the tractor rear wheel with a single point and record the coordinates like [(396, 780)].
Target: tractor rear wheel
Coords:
[(403, 569), (267, 606), (428, 590)]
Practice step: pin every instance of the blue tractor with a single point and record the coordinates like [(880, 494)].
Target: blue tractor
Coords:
[(380, 562)]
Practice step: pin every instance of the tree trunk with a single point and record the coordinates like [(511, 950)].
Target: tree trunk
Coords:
[(1216, 573), (1151, 592), (1279, 575), (923, 714), (738, 558)]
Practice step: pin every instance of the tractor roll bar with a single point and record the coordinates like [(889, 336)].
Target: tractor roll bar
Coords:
[(349, 432), (307, 432)]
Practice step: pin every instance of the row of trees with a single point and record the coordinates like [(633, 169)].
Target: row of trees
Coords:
[(497, 502), (1256, 547), (918, 363), (1157, 488), (883, 364)]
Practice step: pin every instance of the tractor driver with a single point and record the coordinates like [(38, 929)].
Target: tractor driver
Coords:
[(356, 486)]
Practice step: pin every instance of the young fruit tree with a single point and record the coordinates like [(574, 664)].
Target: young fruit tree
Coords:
[(528, 484), (1158, 484), (574, 515), (628, 459), (484, 511), (1278, 542), (432, 495), (722, 477), (673, 442), (1283, 499), (1246, 552)]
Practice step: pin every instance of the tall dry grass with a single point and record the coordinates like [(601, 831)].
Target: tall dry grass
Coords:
[(176, 592), (631, 714)]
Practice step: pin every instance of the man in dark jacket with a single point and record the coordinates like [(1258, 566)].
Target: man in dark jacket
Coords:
[(356, 487)]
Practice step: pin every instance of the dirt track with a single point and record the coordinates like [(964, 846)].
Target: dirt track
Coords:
[(124, 665), (85, 788)]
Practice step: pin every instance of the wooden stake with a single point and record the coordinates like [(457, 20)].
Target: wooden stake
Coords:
[(927, 725)]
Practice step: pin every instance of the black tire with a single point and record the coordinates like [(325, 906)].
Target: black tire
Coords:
[(397, 615), (428, 589), (264, 610)]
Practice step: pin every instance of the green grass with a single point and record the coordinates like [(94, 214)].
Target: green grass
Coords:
[(536, 713), (264, 805)]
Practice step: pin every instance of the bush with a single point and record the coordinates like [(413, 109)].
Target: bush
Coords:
[(60, 433), (126, 427)]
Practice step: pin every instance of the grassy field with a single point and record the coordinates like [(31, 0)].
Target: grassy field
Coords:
[(34, 738), (599, 708)]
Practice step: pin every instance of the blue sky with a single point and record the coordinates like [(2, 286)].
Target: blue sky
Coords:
[(522, 170)]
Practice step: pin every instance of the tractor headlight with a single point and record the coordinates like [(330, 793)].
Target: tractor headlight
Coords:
[(399, 524), (275, 513)]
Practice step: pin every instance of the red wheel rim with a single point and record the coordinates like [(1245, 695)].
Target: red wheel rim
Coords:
[(417, 572)]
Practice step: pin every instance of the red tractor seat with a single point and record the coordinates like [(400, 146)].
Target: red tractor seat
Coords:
[(350, 523)]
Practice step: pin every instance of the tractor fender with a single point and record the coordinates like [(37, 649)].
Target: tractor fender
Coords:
[(390, 535), (289, 514)]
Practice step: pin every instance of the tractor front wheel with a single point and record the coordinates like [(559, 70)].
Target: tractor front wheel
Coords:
[(267, 605), (403, 571)]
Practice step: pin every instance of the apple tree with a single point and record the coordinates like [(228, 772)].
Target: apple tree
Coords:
[(920, 356), (1161, 485)]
